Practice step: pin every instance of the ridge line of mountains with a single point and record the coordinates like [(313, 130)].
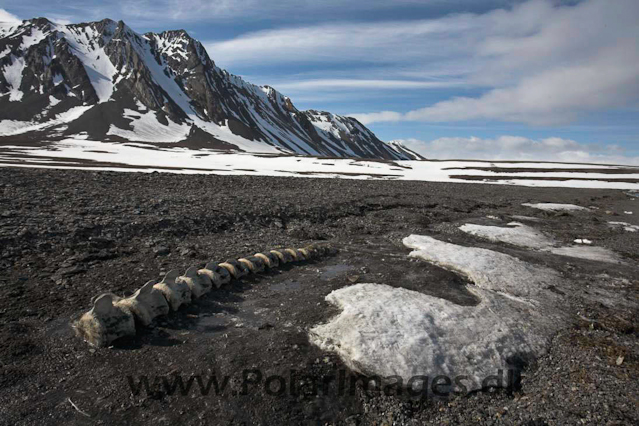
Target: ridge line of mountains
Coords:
[(103, 81)]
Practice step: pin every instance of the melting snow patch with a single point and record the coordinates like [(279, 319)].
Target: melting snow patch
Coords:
[(582, 241), (554, 207), (146, 127), (628, 212), (589, 253), (516, 234), (526, 218), (14, 127), (525, 236), (488, 269), (626, 226), (389, 331), (13, 76)]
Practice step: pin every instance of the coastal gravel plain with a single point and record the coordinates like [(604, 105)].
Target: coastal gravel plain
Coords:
[(67, 236)]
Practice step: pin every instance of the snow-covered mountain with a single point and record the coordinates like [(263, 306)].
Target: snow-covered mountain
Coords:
[(103, 81)]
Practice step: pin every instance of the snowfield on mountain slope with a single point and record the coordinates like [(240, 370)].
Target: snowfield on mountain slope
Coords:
[(186, 97), (81, 153)]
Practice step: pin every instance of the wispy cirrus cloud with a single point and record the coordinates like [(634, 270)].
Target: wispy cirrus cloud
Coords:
[(575, 60), (169, 12), (537, 63), (374, 42)]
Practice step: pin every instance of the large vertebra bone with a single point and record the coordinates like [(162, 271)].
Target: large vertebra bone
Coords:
[(176, 292), (146, 304), (106, 321), (217, 274), (199, 284)]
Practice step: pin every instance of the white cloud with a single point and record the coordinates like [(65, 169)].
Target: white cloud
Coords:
[(223, 10), (538, 63), (9, 18), (61, 19), (168, 12), (347, 41), (519, 148), (582, 58)]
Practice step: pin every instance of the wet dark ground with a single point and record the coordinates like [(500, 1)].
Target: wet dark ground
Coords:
[(66, 236)]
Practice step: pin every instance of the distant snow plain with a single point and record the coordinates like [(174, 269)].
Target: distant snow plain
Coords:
[(81, 153)]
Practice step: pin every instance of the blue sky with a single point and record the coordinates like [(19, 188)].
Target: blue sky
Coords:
[(492, 79)]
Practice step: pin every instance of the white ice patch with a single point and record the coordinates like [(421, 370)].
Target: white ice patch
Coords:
[(14, 127), (13, 76), (589, 253), (583, 241), (524, 236), (626, 226), (147, 128), (345, 168), (516, 234), (555, 207), (99, 68), (53, 101), (526, 218), (35, 37), (389, 331), (487, 269), (627, 212)]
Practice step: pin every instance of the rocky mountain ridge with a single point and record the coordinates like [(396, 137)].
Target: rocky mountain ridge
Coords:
[(103, 81)]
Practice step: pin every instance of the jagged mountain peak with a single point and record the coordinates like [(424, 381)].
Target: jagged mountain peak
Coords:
[(104, 81)]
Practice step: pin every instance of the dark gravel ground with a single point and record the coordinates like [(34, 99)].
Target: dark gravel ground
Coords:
[(66, 236)]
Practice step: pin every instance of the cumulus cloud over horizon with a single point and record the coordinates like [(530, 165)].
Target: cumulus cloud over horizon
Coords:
[(518, 148), (552, 66)]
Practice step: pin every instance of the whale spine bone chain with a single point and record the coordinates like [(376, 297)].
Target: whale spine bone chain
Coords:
[(113, 317)]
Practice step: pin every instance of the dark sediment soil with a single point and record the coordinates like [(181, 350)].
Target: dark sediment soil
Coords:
[(66, 236)]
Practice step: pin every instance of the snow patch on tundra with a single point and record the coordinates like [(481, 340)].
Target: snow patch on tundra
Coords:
[(524, 236), (626, 226), (516, 234), (599, 254), (583, 241), (387, 331), (553, 207), (487, 269)]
